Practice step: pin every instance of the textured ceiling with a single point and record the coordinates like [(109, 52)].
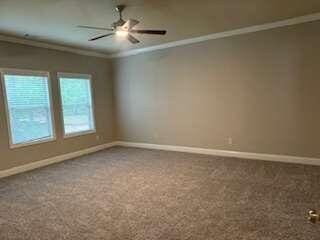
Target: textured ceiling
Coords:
[(55, 21)]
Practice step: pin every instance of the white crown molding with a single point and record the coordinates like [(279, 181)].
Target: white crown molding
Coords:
[(51, 46), (252, 29), (49, 161), (225, 153), (245, 30)]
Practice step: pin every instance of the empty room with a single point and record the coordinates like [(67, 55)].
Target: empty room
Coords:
[(159, 120)]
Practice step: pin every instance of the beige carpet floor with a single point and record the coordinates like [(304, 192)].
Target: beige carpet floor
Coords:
[(128, 193)]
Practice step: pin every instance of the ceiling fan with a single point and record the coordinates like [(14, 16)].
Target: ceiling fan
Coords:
[(123, 28)]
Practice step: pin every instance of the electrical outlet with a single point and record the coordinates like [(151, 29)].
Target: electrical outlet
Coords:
[(98, 137), (230, 141)]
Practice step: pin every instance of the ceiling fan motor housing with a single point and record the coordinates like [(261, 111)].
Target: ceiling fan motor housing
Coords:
[(118, 23)]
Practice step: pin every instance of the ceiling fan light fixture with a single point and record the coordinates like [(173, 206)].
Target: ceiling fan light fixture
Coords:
[(122, 33)]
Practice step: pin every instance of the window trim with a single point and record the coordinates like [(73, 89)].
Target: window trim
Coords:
[(84, 77), (26, 72)]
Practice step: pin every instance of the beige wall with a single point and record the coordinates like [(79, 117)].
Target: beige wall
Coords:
[(26, 57), (262, 89)]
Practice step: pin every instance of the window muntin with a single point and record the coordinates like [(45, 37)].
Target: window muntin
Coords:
[(29, 107), (77, 104)]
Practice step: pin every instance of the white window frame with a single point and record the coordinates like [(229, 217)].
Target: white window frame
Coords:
[(84, 77), (25, 72)]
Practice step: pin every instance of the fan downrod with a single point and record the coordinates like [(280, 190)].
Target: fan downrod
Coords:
[(120, 22)]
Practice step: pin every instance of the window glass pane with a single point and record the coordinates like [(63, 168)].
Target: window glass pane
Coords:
[(29, 108), (77, 105)]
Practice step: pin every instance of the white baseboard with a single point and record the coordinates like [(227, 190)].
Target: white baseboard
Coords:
[(225, 153), (45, 162), (206, 151)]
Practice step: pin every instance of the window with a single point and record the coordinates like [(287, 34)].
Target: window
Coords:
[(77, 104), (28, 105)]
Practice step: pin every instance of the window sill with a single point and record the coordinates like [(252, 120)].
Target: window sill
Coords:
[(31, 143), (78, 134)]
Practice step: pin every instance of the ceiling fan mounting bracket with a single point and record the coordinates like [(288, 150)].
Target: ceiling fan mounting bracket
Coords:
[(120, 8)]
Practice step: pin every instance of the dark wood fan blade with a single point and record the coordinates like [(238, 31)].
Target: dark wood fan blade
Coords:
[(130, 24), (157, 32), (132, 39), (102, 36), (96, 28)]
